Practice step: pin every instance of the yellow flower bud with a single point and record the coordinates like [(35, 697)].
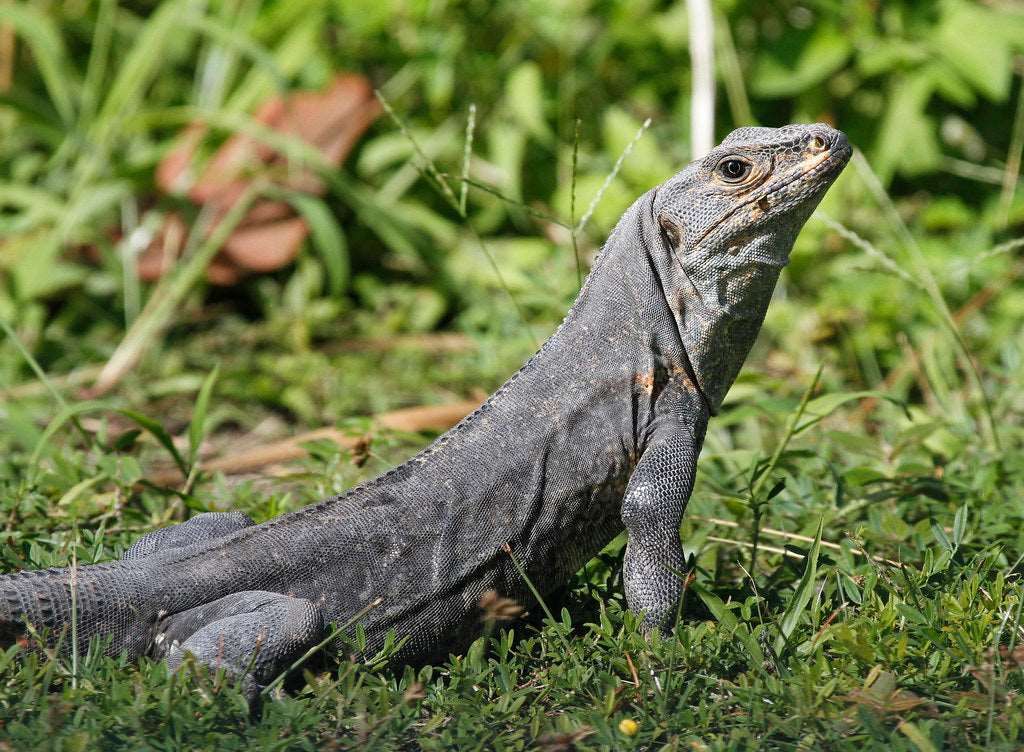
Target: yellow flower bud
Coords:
[(628, 726)]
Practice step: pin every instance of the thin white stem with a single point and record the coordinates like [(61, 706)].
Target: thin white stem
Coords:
[(702, 59)]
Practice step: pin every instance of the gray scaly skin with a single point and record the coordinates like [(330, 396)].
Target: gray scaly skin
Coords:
[(599, 431)]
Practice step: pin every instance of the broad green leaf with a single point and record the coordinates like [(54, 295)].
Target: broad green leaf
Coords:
[(35, 264), (383, 151), (950, 85), (31, 197), (787, 71), (507, 146), (941, 537), (881, 55), (850, 588), (906, 139), (970, 39), (440, 84), (911, 614), (945, 443), (778, 488), (76, 490), (946, 213), (959, 525)]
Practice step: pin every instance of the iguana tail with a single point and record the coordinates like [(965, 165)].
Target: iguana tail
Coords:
[(47, 608)]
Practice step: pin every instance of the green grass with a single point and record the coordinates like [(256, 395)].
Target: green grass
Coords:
[(847, 653), (856, 530), (906, 657)]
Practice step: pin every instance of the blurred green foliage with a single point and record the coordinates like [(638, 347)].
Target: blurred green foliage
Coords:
[(102, 88)]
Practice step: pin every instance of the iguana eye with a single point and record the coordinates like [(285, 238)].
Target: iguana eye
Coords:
[(733, 170)]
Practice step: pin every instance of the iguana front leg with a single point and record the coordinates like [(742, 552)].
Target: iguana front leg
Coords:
[(652, 511)]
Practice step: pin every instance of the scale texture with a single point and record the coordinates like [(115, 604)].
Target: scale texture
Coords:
[(598, 432)]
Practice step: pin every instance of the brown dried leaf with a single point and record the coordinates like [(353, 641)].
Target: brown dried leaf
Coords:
[(271, 234), (497, 608), (414, 692), (564, 741)]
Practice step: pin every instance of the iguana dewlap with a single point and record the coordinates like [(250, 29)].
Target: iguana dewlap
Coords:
[(598, 432)]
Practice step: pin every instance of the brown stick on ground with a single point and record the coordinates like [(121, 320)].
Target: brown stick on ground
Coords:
[(412, 419)]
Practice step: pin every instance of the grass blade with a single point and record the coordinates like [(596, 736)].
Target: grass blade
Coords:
[(279, 679), (165, 301), (467, 155), (71, 412), (197, 426), (572, 203), (158, 432), (96, 68), (1013, 158), (804, 591), (931, 286), (328, 238), (126, 91), (41, 36), (729, 622), (611, 176)]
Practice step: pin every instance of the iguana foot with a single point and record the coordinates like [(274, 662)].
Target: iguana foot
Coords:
[(253, 636)]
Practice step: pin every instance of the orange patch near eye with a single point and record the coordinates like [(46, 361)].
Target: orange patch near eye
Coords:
[(813, 160)]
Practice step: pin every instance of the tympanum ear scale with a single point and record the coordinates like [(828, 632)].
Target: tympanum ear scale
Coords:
[(672, 231)]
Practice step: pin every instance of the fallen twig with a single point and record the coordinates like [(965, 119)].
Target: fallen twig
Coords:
[(411, 420), (773, 533)]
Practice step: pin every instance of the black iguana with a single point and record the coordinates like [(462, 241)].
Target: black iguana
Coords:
[(599, 431)]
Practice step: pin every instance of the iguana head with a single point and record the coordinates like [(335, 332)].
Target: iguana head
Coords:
[(727, 223)]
